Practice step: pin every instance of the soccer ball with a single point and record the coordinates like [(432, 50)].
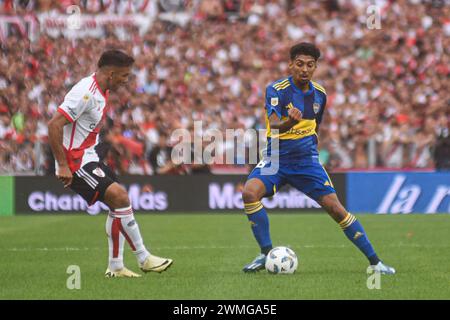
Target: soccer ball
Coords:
[(281, 260)]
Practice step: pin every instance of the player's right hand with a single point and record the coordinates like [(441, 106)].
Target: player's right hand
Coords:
[(295, 114), (65, 175)]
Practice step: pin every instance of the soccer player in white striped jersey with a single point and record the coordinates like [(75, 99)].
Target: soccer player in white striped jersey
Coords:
[(73, 135)]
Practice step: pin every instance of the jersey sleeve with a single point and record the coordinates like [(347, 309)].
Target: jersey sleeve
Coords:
[(75, 103), (273, 102)]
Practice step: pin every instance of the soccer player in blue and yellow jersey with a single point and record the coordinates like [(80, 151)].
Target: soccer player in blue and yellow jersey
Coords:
[(294, 110)]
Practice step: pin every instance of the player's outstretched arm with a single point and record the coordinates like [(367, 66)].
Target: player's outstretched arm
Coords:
[(294, 116), (55, 138)]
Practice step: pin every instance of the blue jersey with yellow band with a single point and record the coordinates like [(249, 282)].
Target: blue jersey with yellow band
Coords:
[(300, 142)]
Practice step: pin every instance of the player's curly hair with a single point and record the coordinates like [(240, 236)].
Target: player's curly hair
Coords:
[(304, 48), (115, 58)]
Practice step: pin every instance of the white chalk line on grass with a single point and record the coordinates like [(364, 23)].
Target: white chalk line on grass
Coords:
[(306, 246)]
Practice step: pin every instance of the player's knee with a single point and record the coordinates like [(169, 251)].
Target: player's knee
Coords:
[(117, 197), (250, 195), (122, 199), (336, 210)]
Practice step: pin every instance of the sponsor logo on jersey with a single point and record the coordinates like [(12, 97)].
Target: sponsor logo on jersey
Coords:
[(299, 132)]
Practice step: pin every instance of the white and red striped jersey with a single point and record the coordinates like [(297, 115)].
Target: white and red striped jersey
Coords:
[(85, 107)]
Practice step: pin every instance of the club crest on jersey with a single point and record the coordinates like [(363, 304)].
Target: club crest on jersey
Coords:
[(316, 107), (98, 172), (274, 102)]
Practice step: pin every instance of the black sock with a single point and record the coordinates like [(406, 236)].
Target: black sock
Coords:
[(266, 250), (374, 260)]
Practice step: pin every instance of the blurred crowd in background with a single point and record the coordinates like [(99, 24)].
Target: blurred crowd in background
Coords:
[(388, 88)]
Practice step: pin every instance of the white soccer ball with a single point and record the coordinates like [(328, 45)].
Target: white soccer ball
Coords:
[(281, 260)]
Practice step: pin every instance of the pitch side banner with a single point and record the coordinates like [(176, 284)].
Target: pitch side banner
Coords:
[(152, 194), (73, 24), (398, 192)]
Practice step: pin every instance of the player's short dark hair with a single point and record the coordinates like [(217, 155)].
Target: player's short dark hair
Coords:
[(305, 48), (115, 58)]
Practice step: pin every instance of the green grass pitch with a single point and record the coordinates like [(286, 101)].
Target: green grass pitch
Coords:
[(209, 251)]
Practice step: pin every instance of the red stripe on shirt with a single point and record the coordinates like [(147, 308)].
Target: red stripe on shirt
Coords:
[(75, 156), (100, 89), (92, 85), (65, 114), (72, 135)]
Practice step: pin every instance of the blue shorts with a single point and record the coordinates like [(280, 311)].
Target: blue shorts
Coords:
[(309, 178)]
